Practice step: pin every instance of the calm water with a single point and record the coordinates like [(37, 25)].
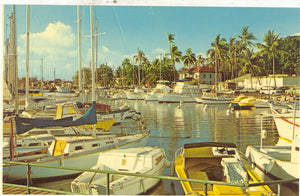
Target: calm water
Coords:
[(171, 127)]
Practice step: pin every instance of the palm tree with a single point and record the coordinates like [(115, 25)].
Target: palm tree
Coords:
[(252, 63), (125, 63), (175, 54), (270, 48), (232, 55), (175, 58), (200, 60), (140, 57), (189, 59), (217, 53), (246, 37)]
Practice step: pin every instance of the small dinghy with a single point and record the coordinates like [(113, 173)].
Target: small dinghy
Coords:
[(142, 160)]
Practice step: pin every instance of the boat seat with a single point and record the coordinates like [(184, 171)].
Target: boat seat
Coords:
[(192, 174)]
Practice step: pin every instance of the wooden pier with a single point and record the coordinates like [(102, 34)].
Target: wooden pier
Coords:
[(8, 190)]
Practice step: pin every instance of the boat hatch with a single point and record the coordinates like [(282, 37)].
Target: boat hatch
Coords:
[(233, 171), (59, 147)]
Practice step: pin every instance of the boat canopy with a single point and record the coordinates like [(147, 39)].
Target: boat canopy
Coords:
[(25, 124), (212, 144)]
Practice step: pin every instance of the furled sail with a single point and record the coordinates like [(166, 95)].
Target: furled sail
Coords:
[(25, 124)]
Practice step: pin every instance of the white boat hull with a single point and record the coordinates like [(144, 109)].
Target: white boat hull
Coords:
[(139, 185), (175, 98), (83, 161), (151, 97), (145, 160), (285, 124), (274, 167), (216, 100)]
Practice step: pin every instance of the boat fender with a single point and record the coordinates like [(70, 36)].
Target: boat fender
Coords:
[(167, 164), (228, 112)]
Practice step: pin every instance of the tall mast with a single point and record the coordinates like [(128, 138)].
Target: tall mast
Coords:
[(79, 47), (96, 52), (14, 63), (92, 62), (160, 66), (27, 58), (92, 53), (42, 78)]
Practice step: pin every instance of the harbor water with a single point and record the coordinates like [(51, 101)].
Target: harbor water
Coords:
[(173, 125)]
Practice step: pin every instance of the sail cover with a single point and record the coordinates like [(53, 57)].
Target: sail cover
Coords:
[(25, 124)]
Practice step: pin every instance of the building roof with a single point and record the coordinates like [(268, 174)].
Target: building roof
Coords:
[(199, 69)]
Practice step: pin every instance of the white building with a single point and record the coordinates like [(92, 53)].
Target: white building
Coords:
[(264, 81)]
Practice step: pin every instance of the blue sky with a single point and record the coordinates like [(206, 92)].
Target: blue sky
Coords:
[(129, 28)]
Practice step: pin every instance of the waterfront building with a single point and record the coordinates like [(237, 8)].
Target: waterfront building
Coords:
[(205, 75)]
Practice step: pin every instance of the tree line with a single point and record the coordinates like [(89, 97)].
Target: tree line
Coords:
[(229, 58)]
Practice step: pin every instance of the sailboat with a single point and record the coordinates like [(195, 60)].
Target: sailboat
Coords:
[(78, 151)]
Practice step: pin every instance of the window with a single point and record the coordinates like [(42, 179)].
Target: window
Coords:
[(37, 132), (203, 75), (34, 144), (78, 147), (95, 145), (57, 132), (210, 75)]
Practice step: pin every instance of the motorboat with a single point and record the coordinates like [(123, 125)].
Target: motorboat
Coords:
[(216, 161), (213, 99), (279, 162), (135, 94), (287, 121), (243, 102), (142, 160), (77, 151), (182, 92), (62, 89), (162, 87)]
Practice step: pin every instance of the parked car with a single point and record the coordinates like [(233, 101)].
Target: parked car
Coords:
[(270, 90)]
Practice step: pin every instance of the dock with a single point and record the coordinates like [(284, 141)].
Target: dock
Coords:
[(9, 190)]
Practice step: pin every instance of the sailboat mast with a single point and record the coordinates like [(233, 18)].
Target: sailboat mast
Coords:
[(96, 52), (92, 62), (27, 58), (92, 53), (42, 70), (14, 63), (79, 47)]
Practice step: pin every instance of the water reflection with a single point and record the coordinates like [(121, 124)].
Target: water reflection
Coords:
[(171, 127)]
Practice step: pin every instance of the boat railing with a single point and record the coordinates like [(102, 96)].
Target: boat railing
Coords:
[(171, 178)]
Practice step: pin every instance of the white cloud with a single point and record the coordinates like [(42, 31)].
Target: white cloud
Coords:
[(296, 34), (159, 51), (56, 41), (56, 44)]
